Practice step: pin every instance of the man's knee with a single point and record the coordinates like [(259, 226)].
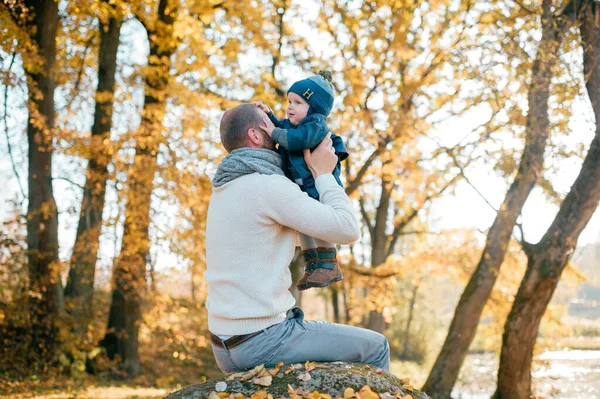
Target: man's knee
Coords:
[(381, 358)]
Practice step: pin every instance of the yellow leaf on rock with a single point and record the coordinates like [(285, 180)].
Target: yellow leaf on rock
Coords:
[(367, 393), (223, 395), (348, 393), (264, 381)]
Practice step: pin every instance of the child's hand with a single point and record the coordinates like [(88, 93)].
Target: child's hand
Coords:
[(267, 126), (262, 106)]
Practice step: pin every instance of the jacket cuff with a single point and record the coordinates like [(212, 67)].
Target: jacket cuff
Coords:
[(280, 136)]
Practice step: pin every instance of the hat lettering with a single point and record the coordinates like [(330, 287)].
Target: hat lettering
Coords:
[(308, 93)]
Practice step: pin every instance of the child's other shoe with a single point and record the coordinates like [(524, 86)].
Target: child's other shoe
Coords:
[(310, 261)]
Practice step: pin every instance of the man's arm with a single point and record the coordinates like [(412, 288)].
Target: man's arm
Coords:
[(333, 218)]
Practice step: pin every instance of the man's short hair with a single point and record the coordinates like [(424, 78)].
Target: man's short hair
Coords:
[(235, 125)]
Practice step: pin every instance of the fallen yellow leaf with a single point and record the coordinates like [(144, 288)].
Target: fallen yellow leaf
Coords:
[(348, 393), (367, 393), (223, 395), (264, 381)]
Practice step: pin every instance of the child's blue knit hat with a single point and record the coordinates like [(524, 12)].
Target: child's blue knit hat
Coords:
[(317, 91)]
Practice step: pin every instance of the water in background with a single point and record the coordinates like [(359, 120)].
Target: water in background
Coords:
[(568, 374)]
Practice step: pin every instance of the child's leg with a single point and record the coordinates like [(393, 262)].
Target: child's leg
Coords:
[(307, 242), (323, 270)]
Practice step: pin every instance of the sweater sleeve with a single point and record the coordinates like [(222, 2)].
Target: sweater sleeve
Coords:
[(331, 219), (308, 134)]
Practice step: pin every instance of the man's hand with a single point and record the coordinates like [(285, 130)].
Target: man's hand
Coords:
[(267, 126), (262, 106), (322, 160)]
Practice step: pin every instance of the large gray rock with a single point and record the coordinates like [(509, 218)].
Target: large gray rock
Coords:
[(298, 381)]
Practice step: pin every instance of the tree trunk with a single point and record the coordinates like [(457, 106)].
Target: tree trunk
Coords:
[(130, 268), (297, 270), (462, 330), (548, 258), (80, 283), (42, 216), (335, 304), (411, 311), (379, 241)]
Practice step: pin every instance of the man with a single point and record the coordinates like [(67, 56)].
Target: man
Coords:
[(253, 217)]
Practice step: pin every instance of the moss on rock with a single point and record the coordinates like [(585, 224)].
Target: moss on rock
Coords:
[(327, 378)]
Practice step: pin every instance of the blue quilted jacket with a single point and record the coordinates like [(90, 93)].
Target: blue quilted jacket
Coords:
[(292, 140)]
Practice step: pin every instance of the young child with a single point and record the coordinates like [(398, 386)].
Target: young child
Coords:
[(309, 103)]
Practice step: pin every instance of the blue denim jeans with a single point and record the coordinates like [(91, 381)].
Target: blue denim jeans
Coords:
[(295, 340)]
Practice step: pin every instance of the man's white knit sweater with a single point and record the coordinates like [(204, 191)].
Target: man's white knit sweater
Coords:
[(250, 241)]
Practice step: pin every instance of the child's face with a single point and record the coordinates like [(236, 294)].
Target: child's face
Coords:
[(297, 108)]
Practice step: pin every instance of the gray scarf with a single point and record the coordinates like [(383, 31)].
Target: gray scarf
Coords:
[(245, 161)]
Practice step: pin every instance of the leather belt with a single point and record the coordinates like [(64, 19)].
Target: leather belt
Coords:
[(233, 341)]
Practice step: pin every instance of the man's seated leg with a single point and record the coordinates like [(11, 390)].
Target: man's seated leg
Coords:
[(296, 341)]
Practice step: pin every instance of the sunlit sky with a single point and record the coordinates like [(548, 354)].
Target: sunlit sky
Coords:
[(462, 209)]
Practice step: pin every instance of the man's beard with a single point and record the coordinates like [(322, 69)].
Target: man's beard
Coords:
[(268, 142)]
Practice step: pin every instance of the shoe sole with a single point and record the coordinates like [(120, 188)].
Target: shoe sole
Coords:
[(319, 285)]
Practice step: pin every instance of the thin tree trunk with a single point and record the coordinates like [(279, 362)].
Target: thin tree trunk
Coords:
[(42, 216), (297, 270), (335, 298), (548, 258), (130, 268), (80, 283), (346, 307), (411, 311), (462, 330)]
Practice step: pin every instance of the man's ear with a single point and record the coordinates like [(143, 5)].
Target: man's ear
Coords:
[(254, 138)]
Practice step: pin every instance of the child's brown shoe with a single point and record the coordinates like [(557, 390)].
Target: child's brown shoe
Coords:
[(322, 273), (321, 277)]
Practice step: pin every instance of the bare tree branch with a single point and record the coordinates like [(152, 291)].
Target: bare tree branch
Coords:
[(69, 181), (5, 119), (365, 216)]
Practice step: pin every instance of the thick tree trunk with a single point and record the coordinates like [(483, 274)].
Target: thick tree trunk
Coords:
[(80, 284), (379, 241), (42, 216), (130, 268), (547, 259), (462, 330)]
